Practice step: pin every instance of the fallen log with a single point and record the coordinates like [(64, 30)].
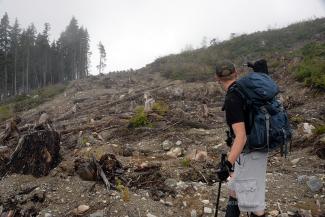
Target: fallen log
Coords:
[(101, 174)]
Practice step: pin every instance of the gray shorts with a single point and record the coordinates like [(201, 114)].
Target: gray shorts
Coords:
[(248, 181)]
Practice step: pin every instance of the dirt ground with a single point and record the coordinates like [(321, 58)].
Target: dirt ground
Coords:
[(93, 116)]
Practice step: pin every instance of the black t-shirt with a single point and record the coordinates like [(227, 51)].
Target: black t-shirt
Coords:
[(235, 109)]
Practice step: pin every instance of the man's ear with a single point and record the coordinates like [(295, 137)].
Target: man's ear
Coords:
[(236, 74)]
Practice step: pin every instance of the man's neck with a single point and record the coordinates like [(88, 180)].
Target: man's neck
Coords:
[(227, 84)]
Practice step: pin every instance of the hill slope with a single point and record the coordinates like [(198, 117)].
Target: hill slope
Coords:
[(271, 45)]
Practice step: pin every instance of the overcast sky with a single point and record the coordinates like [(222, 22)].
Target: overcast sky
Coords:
[(136, 32)]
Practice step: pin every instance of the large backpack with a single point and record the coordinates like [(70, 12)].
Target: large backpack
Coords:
[(269, 125)]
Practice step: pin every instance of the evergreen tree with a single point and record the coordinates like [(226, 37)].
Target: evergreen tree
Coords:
[(4, 49), (102, 58), (42, 52), (15, 45)]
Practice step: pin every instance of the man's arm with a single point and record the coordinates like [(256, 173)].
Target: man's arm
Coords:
[(239, 142)]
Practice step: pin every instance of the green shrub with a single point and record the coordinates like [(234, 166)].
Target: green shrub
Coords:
[(319, 129), (297, 119), (123, 190), (5, 112), (84, 140), (311, 70), (186, 162), (160, 107), (140, 119)]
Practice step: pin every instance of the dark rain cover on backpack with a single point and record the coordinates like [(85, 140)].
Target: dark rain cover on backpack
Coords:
[(269, 124)]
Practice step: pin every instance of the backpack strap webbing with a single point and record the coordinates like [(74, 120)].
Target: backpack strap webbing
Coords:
[(248, 103)]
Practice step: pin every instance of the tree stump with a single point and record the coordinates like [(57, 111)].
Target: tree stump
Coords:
[(36, 153)]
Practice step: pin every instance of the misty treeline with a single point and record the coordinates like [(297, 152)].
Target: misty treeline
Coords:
[(29, 60)]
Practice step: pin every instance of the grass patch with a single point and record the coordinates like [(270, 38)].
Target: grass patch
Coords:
[(319, 129), (5, 112), (297, 119), (84, 140), (186, 162), (140, 119), (123, 190), (35, 98), (160, 107)]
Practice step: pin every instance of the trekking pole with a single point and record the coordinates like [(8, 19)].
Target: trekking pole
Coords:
[(222, 164)]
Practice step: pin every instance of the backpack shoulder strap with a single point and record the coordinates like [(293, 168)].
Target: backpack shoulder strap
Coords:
[(238, 89), (247, 103)]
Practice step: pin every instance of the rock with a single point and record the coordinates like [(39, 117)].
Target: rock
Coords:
[(322, 139), (305, 213), (99, 213), (106, 134), (100, 137), (167, 145), (150, 215), (144, 165), (175, 152), (314, 183), (308, 128), (127, 150), (178, 92), (321, 152), (201, 156), (178, 143), (86, 171), (274, 213), (38, 196), (207, 210), (206, 202), (291, 213), (295, 161), (197, 155), (217, 146), (172, 183), (302, 179), (283, 215), (181, 185), (44, 119), (46, 215), (81, 209), (193, 213)]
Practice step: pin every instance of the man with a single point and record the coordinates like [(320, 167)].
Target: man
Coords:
[(247, 180)]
